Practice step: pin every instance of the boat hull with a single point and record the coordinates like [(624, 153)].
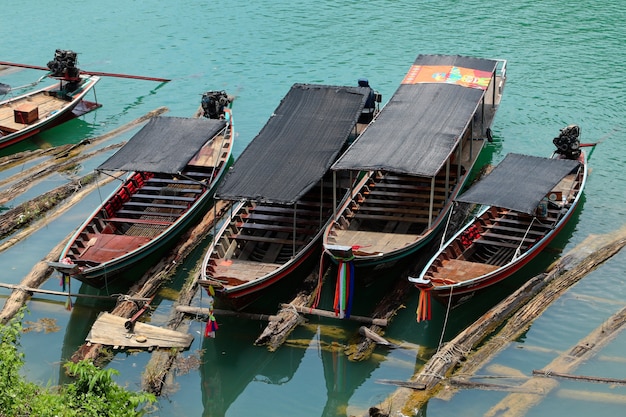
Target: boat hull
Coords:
[(54, 111), (145, 215), (453, 279)]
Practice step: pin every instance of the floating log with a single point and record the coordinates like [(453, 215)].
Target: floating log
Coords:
[(75, 197), (37, 276), (553, 374), (277, 331), (230, 313), (519, 404), (590, 253), (33, 290), (332, 315)]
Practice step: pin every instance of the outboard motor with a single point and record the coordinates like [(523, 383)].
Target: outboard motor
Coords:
[(64, 65), (213, 103), (568, 142)]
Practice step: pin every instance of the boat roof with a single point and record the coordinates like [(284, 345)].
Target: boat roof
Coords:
[(297, 145), (164, 144), (422, 123), (519, 182)]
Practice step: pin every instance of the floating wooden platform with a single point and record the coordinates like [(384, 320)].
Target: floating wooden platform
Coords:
[(109, 330)]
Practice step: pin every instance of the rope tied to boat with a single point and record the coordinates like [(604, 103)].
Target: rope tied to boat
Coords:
[(518, 250)]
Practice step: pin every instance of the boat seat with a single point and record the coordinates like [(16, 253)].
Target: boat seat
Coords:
[(155, 205), (164, 197), (268, 239), (276, 228), (139, 221), (147, 213), (484, 241)]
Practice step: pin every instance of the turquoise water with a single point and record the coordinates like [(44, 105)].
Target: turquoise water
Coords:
[(565, 60)]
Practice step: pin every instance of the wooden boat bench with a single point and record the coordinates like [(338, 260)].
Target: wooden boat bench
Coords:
[(155, 205), (147, 213), (438, 203), (286, 210), (281, 241), (287, 220), (139, 221), (363, 216), (275, 228), (164, 197), (484, 241), (498, 227), (157, 180), (178, 190)]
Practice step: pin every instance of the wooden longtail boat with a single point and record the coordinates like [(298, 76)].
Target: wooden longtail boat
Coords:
[(282, 194), (28, 114), (173, 166), (414, 158), (526, 201)]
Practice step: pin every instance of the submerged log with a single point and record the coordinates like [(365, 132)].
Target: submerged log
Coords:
[(545, 288), (277, 331), (518, 404), (74, 197), (29, 211), (37, 276)]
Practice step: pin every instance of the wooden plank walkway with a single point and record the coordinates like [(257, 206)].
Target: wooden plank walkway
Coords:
[(109, 330)]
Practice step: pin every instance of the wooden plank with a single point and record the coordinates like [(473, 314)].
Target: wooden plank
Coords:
[(139, 221), (109, 329), (242, 270), (460, 270)]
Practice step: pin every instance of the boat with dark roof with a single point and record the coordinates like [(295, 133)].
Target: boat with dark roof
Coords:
[(173, 166), (414, 158), (281, 191), (525, 202)]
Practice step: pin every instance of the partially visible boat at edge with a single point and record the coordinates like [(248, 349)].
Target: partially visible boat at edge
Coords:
[(525, 202), (414, 158), (28, 114), (282, 194), (173, 165)]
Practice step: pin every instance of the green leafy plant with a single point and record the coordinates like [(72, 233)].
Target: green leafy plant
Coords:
[(93, 392)]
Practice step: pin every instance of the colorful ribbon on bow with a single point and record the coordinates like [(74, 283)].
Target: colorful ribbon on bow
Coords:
[(344, 288), (424, 311)]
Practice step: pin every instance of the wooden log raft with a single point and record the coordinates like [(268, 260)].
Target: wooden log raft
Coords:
[(545, 288)]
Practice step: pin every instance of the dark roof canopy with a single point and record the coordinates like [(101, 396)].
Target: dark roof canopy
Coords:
[(164, 144), (519, 182), (296, 146), (419, 127)]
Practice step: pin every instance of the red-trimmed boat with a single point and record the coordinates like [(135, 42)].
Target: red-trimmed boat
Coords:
[(31, 113), (414, 158), (282, 194), (526, 201), (173, 166)]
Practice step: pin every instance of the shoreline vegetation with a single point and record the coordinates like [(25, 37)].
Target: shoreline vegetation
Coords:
[(92, 393)]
